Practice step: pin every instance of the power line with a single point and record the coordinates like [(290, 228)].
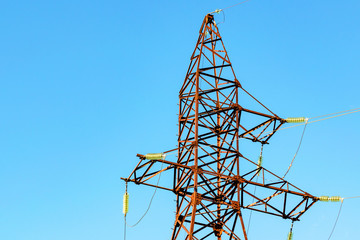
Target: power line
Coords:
[(351, 197), (333, 115), (124, 227), (337, 218), (292, 161), (338, 215), (147, 210), (253, 200), (235, 5), (350, 110)]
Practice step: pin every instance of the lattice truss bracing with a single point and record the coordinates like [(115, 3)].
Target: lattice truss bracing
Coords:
[(212, 179)]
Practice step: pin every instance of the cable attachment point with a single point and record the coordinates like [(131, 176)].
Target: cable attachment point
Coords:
[(290, 235), (216, 11)]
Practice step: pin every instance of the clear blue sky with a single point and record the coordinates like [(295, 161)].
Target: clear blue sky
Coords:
[(85, 85)]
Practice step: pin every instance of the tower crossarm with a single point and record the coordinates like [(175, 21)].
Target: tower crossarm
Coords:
[(281, 199)]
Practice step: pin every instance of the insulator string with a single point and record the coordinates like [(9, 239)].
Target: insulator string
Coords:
[(327, 116), (308, 122), (290, 235), (126, 190), (322, 119), (332, 115), (151, 200)]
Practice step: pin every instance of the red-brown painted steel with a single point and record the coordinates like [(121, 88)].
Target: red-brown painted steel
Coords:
[(212, 179)]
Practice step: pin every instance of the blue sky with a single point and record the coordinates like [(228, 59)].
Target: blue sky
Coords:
[(87, 85)]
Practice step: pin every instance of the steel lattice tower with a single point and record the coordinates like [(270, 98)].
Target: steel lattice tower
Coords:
[(212, 180)]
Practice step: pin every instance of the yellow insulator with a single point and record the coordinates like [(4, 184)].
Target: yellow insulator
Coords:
[(155, 156), (260, 160), (335, 199), (290, 236), (324, 198), (296, 120), (126, 203), (330, 199)]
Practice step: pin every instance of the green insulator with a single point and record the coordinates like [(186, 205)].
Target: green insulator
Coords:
[(335, 199), (324, 198), (155, 156), (296, 120), (218, 10), (290, 236)]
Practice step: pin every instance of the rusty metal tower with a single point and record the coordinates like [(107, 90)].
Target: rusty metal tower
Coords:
[(212, 179)]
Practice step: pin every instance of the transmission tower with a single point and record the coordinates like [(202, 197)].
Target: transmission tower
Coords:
[(212, 180)]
